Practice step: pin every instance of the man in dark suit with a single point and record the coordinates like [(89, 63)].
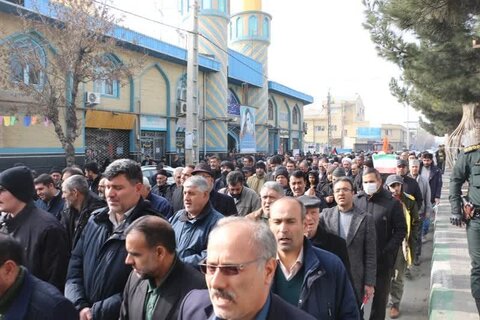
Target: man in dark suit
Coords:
[(239, 274), (159, 280)]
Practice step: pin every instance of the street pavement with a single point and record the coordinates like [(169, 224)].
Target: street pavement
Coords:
[(414, 305), (450, 296)]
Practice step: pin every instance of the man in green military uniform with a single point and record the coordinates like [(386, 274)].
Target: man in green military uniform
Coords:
[(467, 168)]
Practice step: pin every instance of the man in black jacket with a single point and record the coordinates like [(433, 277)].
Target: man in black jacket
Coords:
[(97, 272), (220, 202), (80, 203), (159, 280), (390, 228), (40, 233), (24, 296), (410, 185), (318, 235)]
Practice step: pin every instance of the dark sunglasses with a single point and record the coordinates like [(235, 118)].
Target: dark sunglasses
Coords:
[(226, 269)]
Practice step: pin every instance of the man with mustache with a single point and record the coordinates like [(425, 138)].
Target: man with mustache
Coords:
[(246, 200), (239, 274), (159, 280)]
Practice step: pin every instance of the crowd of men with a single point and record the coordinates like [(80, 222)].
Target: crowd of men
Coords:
[(286, 238)]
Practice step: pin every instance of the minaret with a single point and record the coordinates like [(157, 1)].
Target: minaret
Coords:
[(213, 40), (249, 34)]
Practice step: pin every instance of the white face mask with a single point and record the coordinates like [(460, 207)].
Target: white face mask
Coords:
[(370, 188)]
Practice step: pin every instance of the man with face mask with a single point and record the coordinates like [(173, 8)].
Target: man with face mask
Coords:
[(390, 229)]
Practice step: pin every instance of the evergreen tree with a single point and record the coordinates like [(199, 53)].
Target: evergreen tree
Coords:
[(431, 42)]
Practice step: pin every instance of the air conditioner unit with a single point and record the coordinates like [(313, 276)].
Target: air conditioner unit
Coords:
[(182, 108), (92, 98)]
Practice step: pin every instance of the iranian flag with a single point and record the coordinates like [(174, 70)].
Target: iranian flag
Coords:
[(385, 163)]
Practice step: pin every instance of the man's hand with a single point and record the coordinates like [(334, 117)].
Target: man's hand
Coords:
[(86, 314), (437, 201), (369, 291), (329, 199), (456, 220)]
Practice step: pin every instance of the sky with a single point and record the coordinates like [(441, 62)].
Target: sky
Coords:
[(316, 46)]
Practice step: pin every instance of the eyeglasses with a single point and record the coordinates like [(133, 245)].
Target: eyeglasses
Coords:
[(226, 269), (344, 190)]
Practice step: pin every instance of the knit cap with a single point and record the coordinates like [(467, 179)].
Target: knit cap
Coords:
[(281, 171), (339, 172), (19, 181)]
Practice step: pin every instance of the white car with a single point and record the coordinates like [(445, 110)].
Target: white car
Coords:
[(150, 171)]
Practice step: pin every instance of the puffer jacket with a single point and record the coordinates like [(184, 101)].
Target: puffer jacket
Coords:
[(390, 225), (97, 272), (192, 235)]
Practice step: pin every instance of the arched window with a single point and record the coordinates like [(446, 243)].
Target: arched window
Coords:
[(207, 4), (252, 26), (222, 6), (105, 84), (266, 27), (238, 27), (295, 115), (27, 61), (270, 110)]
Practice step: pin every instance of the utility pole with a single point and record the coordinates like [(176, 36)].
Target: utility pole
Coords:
[(191, 132), (329, 123)]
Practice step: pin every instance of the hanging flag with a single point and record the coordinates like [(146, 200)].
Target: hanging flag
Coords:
[(27, 120), (34, 120), (46, 121), (13, 119), (1, 120), (6, 121)]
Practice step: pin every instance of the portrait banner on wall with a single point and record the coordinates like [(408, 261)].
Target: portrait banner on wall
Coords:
[(248, 143)]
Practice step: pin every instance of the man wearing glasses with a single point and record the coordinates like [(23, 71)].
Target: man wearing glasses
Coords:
[(309, 278), (239, 270), (358, 229)]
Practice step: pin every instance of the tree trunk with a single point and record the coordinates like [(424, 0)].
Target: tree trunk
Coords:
[(467, 133), (69, 153)]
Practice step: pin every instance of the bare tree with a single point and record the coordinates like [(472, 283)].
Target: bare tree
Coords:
[(70, 45)]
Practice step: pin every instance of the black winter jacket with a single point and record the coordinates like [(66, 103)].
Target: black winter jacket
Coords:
[(44, 240), (97, 272), (390, 224), (74, 222)]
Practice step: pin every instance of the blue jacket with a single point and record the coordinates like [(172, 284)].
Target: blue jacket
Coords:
[(54, 206), (39, 300), (97, 272), (326, 290), (160, 204), (192, 235)]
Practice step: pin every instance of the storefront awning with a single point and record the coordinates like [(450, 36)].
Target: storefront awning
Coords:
[(109, 120)]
